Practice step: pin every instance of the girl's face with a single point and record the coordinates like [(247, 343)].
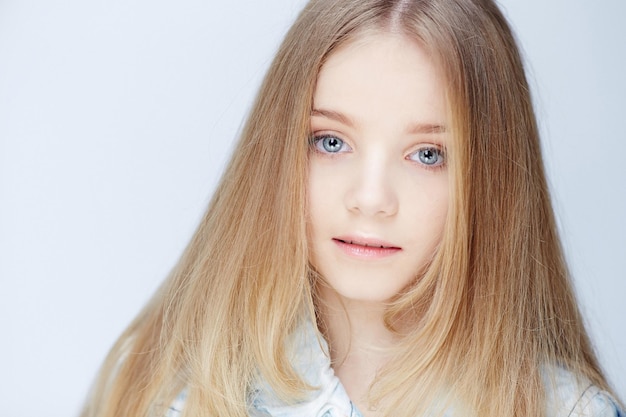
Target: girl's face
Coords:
[(378, 181)]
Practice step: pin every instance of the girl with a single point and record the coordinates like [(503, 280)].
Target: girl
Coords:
[(382, 242)]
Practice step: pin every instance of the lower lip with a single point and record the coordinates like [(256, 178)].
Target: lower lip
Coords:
[(365, 252)]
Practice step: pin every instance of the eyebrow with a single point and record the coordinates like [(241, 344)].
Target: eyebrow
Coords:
[(333, 115), (416, 128)]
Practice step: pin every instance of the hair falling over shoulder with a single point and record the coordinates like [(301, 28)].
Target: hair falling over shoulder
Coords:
[(495, 305)]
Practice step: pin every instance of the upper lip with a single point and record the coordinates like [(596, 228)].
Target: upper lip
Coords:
[(366, 241)]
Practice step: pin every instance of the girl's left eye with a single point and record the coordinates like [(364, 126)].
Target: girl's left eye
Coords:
[(430, 156), (329, 144)]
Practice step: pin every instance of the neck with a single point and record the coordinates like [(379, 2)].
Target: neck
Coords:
[(360, 343), (353, 327)]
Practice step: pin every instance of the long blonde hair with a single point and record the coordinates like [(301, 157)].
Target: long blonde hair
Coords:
[(494, 306)]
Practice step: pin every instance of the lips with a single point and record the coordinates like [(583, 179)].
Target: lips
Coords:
[(366, 249), (367, 243)]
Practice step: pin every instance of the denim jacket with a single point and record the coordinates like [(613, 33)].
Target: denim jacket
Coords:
[(565, 395)]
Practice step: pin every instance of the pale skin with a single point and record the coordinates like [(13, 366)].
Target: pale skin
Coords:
[(377, 193)]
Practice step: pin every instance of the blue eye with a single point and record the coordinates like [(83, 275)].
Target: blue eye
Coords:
[(329, 144), (430, 156)]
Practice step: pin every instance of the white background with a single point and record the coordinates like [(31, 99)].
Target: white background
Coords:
[(117, 117)]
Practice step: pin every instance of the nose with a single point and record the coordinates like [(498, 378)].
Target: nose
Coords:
[(372, 190)]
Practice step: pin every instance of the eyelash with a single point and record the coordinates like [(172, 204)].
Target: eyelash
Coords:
[(317, 143), (436, 150)]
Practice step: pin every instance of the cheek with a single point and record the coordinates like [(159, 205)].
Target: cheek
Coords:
[(316, 212), (311, 197), (439, 210), (321, 194), (315, 209), (427, 211), (439, 213), (439, 217)]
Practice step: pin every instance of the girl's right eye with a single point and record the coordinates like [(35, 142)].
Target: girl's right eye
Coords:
[(329, 144)]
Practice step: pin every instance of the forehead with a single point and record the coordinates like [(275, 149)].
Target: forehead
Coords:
[(382, 74)]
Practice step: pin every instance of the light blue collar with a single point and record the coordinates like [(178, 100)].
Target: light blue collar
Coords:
[(312, 361)]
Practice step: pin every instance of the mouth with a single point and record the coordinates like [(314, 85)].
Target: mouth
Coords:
[(366, 249), (367, 243)]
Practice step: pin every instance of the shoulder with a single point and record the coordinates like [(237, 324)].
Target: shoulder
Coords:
[(568, 395)]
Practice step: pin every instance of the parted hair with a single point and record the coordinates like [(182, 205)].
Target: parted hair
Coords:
[(494, 307)]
